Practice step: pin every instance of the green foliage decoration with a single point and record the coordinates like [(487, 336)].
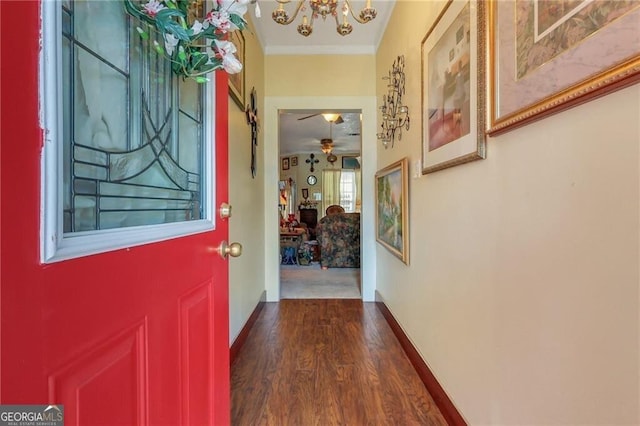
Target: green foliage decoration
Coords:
[(195, 45)]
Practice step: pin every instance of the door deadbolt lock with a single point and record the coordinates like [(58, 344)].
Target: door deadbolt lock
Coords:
[(225, 249), (225, 211)]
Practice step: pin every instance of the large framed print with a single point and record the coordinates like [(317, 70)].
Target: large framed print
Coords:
[(392, 209), (236, 81), (453, 87), (547, 56)]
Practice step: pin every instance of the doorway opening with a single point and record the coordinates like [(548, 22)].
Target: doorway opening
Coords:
[(320, 202)]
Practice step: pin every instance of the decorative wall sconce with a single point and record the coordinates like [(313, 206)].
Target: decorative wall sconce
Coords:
[(395, 116)]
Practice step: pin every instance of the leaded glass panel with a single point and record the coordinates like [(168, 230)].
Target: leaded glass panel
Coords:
[(133, 133)]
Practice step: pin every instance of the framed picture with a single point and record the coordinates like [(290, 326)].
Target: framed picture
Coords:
[(294, 161), (285, 163), (392, 209), (350, 162), (236, 81), (453, 87), (560, 54)]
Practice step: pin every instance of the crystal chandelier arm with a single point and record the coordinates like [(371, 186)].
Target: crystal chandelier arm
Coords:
[(280, 14), (367, 14), (345, 27)]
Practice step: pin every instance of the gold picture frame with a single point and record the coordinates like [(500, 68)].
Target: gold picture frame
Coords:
[(237, 81), (453, 87), (392, 209), (559, 55)]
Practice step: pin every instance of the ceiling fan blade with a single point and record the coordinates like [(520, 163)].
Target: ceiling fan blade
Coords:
[(336, 121), (309, 116)]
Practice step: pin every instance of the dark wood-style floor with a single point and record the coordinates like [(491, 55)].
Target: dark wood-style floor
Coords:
[(326, 362)]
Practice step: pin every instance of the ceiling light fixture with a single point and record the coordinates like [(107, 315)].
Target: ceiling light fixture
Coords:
[(327, 143), (327, 146), (323, 8), (395, 116), (331, 118)]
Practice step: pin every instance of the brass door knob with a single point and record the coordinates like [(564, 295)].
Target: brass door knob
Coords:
[(225, 211), (225, 249)]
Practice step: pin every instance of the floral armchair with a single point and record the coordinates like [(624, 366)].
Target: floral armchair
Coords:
[(339, 239)]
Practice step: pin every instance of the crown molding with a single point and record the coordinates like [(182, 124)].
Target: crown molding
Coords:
[(320, 50)]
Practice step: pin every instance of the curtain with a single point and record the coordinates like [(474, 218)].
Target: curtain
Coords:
[(291, 201), (334, 191), (330, 188)]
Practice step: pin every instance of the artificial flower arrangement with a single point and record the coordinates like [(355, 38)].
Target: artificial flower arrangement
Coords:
[(194, 48), (308, 204)]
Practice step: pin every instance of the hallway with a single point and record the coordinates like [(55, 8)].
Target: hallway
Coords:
[(326, 362)]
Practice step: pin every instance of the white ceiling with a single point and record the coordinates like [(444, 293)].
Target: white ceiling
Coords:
[(279, 39), (303, 136)]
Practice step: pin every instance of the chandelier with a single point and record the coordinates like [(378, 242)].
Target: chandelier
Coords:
[(395, 116), (322, 8)]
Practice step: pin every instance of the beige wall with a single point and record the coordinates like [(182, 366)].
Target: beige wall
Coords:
[(523, 289), (274, 104), (320, 75), (300, 173), (246, 196), (319, 82), (287, 82)]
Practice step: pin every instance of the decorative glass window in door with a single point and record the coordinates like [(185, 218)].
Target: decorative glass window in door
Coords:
[(133, 133)]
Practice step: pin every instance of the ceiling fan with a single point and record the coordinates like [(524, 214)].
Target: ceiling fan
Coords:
[(327, 144), (331, 118)]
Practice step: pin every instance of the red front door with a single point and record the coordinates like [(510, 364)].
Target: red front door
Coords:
[(133, 336)]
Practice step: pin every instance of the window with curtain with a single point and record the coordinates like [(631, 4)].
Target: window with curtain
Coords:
[(341, 187)]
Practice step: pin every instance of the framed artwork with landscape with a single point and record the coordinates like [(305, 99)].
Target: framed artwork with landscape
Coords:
[(547, 56), (392, 209), (236, 81), (453, 87)]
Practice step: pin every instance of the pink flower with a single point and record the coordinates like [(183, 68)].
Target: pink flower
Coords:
[(153, 7), (226, 51), (238, 7), (220, 20), (219, 16)]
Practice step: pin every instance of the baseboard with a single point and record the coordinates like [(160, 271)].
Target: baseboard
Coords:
[(448, 410), (242, 337)]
